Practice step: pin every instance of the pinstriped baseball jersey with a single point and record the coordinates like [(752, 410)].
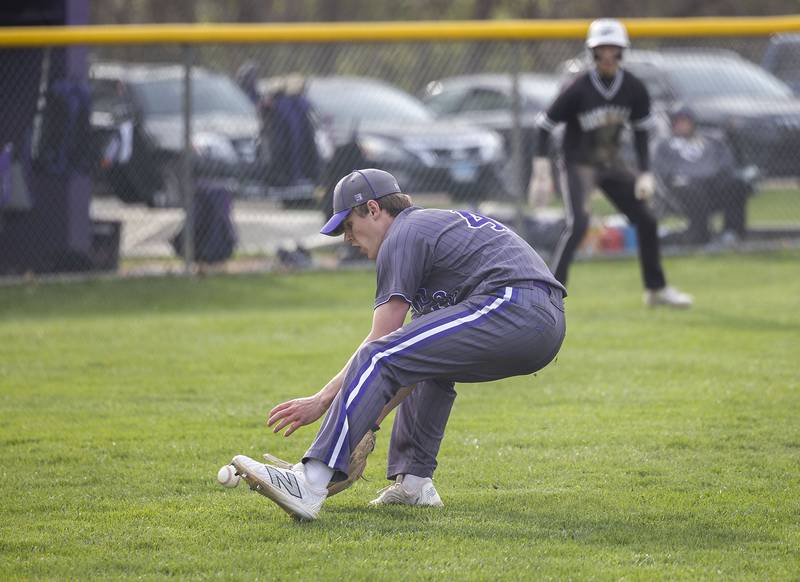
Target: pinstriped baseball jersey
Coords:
[(436, 258)]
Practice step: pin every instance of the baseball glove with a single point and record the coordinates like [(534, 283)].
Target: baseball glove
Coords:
[(358, 462)]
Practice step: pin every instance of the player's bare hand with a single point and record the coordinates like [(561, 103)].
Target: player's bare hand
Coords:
[(293, 414), (540, 187)]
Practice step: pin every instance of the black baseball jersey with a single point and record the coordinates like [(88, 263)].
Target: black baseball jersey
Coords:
[(595, 112)]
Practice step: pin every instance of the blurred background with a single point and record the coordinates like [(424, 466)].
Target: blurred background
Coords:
[(146, 11), (97, 174)]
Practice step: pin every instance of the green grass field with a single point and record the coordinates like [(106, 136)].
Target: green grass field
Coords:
[(660, 445), (769, 207)]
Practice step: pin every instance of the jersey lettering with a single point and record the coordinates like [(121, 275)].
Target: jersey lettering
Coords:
[(423, 303), (604, 116), (479, 221)]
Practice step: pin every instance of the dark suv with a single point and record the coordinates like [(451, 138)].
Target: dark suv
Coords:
[(140, 109), (758, 112)]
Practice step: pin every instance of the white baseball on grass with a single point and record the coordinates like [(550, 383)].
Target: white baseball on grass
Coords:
[(227, 476)]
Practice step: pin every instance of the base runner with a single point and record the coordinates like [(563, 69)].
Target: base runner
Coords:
[(596, 107)]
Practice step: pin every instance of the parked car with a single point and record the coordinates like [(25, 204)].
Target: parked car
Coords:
[(757, 111), (398, 133), (143, 104), (486, 99), (782, 59)]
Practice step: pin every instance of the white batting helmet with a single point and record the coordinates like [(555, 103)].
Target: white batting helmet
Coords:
[(607, 32)]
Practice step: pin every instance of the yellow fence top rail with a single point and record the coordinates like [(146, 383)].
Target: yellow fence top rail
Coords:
[(385, 31)]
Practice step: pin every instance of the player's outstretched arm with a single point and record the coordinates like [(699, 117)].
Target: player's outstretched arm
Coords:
[(298, 412)]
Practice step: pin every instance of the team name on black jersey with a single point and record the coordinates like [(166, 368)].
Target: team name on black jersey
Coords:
[(595, 112)]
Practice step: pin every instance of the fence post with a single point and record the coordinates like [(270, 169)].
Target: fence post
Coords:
[(187, 178), (517, 187)]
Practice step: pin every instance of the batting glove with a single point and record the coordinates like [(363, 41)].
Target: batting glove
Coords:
[(540, 188), (645, 186)]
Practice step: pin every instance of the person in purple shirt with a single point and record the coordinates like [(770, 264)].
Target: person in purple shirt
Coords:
[(484, 307)]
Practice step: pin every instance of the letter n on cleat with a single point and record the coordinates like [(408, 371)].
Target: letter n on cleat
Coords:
[(285, 481)]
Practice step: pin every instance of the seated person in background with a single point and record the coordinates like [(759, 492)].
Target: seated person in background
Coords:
[(700, 176)]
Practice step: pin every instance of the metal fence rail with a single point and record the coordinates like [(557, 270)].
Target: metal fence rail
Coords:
[(187, 144)]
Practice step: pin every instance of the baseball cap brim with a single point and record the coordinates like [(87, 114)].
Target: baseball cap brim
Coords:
[(334, 226)]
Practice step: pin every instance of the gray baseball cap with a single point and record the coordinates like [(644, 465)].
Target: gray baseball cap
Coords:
[(355, 189)]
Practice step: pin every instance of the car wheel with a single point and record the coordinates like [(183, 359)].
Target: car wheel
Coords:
[(123, 188), (486, 187), (169, 195)]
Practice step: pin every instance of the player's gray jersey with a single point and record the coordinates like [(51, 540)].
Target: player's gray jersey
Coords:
[(434, 258)]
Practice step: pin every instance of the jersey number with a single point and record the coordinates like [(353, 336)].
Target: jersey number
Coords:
[(479, 221)]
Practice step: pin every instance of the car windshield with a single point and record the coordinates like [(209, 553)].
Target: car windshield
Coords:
[(715, 78), (446, 101), (210, 94), (365, 102)]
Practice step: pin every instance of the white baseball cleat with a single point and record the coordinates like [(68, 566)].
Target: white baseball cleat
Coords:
[(286, 487), (396, 494), (668, 296)]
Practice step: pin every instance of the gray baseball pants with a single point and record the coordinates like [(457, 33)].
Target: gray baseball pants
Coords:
[(513, 332), (577, 183)]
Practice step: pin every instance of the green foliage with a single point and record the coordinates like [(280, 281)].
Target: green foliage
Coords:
[(660, 445), (119, 11)]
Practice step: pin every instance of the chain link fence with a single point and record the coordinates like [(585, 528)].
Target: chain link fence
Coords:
[(98, 171)]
